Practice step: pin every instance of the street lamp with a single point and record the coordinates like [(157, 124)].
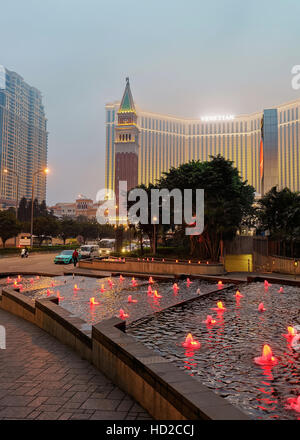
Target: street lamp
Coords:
[(7, 171), (154, 235), (45, 171)]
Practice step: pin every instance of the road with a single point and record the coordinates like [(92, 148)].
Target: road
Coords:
[(42, 264), (34, 263)]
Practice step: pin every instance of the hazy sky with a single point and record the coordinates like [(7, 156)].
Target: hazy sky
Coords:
[(187, 58)]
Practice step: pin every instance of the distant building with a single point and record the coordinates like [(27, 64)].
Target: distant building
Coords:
[(83, 206), (264, 146), (64, 210), (23, 139)]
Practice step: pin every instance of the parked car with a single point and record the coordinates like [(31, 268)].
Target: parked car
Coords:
[(106, 246), (89, 251), (65, 257)]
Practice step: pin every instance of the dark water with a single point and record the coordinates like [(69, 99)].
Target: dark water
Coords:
[(224, 362)]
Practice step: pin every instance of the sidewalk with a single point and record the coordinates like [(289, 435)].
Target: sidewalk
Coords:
[(42, 379)]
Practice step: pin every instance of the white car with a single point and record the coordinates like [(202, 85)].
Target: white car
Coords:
[(106, 246), (90, 251)]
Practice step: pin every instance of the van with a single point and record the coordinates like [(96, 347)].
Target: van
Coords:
[(89, 251), (106, 246)]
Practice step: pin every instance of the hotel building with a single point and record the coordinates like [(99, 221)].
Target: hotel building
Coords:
[(23, 140), (141, 145)]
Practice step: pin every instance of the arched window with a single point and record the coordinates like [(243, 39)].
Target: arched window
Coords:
[(129, 137)]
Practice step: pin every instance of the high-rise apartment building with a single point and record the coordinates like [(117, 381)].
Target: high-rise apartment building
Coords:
[(23, 139), (264, 146)]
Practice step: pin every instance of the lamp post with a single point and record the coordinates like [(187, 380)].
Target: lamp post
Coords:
[(154, 235), (45, 171), (7, 171)]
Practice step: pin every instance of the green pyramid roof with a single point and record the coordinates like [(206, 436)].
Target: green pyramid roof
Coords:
[(127, 104)]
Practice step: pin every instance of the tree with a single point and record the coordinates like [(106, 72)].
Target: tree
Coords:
[(68, 228), (148, 228), (279, 213), (45, 227), (9, 226), (227, 200), (88, 229), (24, 210)]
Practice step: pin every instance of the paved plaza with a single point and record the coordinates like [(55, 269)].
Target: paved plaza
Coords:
[(40, 378)]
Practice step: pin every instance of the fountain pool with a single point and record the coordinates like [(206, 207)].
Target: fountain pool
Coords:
[(95, 299), (224, 359)]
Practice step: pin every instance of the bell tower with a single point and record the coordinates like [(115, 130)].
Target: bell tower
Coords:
[(126, 143)]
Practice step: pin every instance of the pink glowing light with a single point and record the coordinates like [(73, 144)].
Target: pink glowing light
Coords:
[(191, 343), (48, 292), (31, 280), (209, 320), (19, 278), (8, 280), (281, 290), (110, 283), (261, 307), (93, 302), (291, 333), (188, 282), (151, 280), (175, 288), (220, 307), (122, 278), (156, 295), (293, 403), (130, 300), (267, 357), (122, 314), (134, 282), (102, 289), (37, 277), (149, 291), (58, 296), (238, 294), (76, 287)]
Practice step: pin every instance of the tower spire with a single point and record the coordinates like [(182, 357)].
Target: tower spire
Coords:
[(127, 103)]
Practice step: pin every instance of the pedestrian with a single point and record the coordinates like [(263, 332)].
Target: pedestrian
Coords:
[(75, 257)]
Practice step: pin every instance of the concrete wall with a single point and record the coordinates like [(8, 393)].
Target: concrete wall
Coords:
[(284, 265), (154, 267)]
